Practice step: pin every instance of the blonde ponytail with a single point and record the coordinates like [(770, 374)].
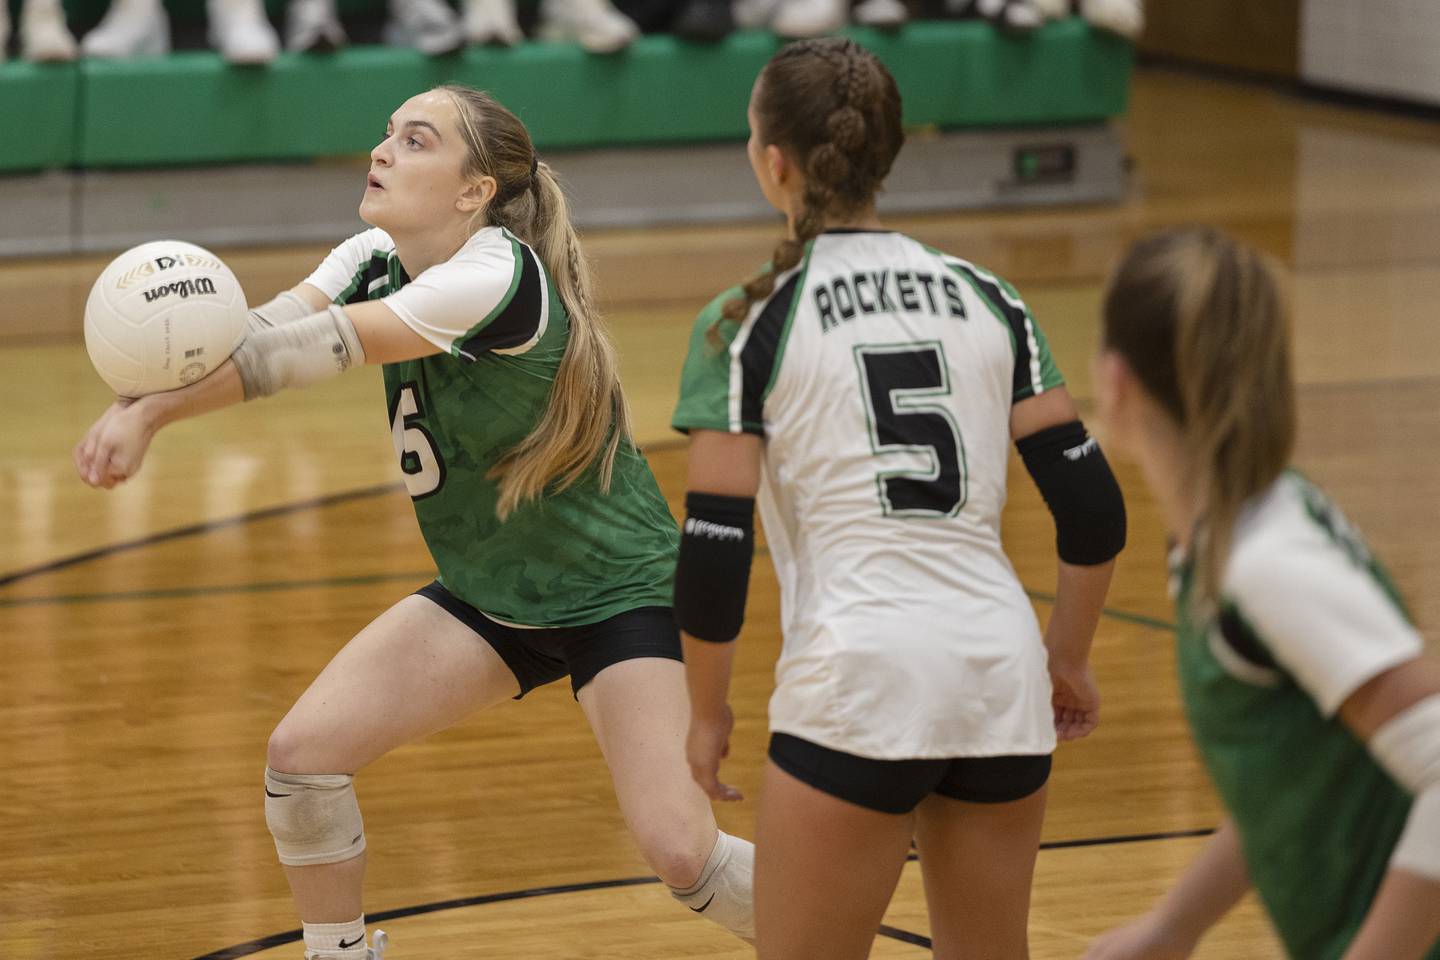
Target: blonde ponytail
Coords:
[(1201, 321), (586, 419)]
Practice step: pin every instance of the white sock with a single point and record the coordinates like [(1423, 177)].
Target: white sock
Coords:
[(725, 892), (336, 939)]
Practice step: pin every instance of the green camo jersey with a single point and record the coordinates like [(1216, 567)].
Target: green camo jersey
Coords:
[(570, 558), (1306, 616)]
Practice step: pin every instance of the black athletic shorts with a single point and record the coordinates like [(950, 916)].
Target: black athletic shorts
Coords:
[(898, 786), (541, 655)]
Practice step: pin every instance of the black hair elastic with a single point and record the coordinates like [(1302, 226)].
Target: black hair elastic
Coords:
[(534, 164)]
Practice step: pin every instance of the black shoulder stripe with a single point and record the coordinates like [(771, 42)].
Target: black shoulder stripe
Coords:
[(1015, 317), (1239, 638), (377, 267), (520, 318), (757, 357)]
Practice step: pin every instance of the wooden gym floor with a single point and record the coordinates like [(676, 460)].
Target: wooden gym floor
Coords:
[(154, 634)]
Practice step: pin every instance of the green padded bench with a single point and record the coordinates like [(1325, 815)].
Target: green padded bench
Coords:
[(191, 108)]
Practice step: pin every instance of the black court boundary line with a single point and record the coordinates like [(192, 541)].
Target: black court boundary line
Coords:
[(371, 579), (269, 513), (217, 590), (196, 529), (894, 933)]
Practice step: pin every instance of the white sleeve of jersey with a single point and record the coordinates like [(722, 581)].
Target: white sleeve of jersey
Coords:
[(453, 301), (337, 270), (1323, 617)]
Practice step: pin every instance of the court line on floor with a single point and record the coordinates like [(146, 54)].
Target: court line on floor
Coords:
[(196, 529), (894, 933), (268, 513), (416, 577)]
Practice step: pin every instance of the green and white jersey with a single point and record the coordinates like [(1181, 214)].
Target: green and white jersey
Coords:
[(571, 558), (1306, 616), (881, 374)]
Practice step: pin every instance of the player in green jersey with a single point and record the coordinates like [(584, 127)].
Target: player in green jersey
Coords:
[(1308, 692), (553, 544)]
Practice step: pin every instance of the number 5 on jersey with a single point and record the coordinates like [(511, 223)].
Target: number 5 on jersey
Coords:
[(903, 386), (419, 460)]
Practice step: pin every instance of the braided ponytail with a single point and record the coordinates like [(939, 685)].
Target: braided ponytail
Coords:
[(844, 151)]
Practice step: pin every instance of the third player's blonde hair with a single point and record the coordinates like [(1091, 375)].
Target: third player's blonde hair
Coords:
[(1200, 320), (586, 419)]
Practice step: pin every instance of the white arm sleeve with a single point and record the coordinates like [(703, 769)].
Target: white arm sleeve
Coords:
[(345, 265), (1324, 618), (287, 307), (1408, 747), (319, 347)]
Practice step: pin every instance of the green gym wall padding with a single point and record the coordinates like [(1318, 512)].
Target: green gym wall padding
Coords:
[(38, 104), (190, 107)]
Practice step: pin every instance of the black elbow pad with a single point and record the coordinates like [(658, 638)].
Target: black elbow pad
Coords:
[(1080, 490), (712, 577)]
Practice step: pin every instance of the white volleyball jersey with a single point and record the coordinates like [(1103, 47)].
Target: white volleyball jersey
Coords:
[(881, 374)]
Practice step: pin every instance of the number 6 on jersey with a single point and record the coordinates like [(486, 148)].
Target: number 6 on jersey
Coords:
[(419, 460)]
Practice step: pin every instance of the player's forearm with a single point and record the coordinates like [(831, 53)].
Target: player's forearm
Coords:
[(1208, 889), (1403, 922), (707, 673), (1079, 600), (218, 390)]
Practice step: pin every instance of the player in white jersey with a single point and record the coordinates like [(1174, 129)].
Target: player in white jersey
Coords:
[(554, 546), (1305, 684), (868, 388)]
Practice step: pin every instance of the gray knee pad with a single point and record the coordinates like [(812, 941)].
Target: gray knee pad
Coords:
[(725, 892), (314, 818)]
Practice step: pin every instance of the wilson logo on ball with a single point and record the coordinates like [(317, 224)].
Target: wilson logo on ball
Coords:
[(182, 289)]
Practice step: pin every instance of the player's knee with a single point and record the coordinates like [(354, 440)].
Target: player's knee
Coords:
[(314, 818), (291, 750), (675, 854), (283, 750)]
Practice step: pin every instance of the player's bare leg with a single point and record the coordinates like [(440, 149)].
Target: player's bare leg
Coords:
[(825, 871), (978, 860), (412, 671), (639, 710)]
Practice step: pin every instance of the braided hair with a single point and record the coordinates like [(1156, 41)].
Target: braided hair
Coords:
[(831, 105)]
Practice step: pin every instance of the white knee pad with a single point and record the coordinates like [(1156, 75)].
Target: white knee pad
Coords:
[(314, 818), (725, 892)]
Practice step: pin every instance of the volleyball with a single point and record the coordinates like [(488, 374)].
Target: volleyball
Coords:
[(162, 315)]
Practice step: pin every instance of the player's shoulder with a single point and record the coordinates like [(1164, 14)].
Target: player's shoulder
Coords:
[(492, 260), (492, 246), (373, 240), (987, 282), (1283, 539)]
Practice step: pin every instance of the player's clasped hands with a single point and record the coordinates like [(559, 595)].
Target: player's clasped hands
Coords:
[(706, 745), (114, 446)]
